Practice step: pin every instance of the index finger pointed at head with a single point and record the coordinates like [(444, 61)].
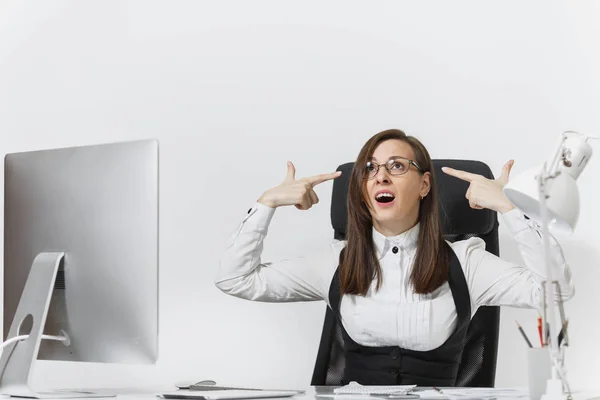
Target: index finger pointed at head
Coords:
[(317, 179), (457, 173)]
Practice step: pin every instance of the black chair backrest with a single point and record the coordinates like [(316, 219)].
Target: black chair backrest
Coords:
[(460, 221)]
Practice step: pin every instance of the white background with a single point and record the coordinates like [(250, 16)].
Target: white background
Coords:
[(234, 89)]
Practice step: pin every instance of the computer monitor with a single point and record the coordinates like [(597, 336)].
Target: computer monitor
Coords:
[(84, 222)]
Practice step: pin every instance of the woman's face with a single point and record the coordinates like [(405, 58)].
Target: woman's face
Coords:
[(394, 196)]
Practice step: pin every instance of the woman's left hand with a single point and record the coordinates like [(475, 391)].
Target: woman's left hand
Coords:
[(484, 192)]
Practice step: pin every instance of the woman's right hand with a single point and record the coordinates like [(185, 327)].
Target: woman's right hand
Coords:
[(299, 192)]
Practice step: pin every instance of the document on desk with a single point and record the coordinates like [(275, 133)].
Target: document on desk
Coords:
[(430, 394), (231, 394), (471, 394)]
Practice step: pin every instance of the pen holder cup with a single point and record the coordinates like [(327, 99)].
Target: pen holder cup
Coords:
[(539, 369)]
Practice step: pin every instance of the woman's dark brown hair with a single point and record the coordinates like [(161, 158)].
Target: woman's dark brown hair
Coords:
[(359, 265)]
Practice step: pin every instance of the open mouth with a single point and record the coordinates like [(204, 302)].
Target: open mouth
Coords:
[(384, 197)]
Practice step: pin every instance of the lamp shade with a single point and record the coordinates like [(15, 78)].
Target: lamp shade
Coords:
[(562, 199)]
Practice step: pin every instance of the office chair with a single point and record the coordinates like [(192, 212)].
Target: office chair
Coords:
[(459, 221)]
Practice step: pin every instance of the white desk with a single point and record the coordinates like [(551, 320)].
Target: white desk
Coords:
[(312, 393)]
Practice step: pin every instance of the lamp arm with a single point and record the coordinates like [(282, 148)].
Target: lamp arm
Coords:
[(554, 389), (548, 301)]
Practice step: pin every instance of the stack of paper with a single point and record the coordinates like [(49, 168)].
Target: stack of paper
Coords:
[(471, 394)]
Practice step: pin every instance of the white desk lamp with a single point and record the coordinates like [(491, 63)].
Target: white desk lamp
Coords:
[(548, 194)]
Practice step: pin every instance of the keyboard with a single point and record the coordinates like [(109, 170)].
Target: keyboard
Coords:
[(215, 387), (232, 394), (356, 388)]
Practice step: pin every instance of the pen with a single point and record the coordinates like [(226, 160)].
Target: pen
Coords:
[(540, 331), (523, 333)]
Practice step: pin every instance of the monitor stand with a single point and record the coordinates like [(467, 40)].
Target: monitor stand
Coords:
[(18, 358)]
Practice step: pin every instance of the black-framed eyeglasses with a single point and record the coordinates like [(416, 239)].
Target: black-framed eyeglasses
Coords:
[(396, 166)]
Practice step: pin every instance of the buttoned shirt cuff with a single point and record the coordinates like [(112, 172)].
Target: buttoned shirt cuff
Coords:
[(516, 222), (258, 218)]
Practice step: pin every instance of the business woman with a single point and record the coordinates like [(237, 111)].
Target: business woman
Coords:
[(403, 295)]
